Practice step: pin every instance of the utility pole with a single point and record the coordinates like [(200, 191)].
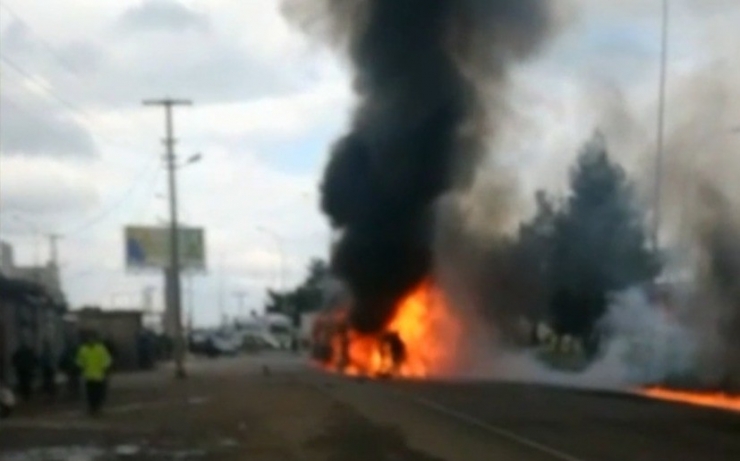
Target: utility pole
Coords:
[(221, 305), (661, 125), (146, 299), (190, 302), (176, 308), (53, 249), (240, 296)]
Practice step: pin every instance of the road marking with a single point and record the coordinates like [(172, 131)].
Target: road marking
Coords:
[(499, 431)]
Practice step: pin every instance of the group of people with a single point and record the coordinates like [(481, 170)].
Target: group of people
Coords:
[(90, 362)]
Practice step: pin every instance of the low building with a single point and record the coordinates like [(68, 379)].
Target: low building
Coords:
[(47, 276), (32, 305), (28, 312), (121, 330)]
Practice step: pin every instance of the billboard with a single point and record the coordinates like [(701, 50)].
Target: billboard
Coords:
[(148, 247)]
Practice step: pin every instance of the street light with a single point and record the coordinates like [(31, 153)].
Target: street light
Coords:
[(661, 122), (195, 158), (293, 310)]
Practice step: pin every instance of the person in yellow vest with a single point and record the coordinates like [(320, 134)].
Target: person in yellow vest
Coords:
[(94, 361)]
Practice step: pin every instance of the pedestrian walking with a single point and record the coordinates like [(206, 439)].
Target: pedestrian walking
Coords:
[(94, 361), (25, 363)]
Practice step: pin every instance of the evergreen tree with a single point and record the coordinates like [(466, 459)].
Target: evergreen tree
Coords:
[(599, 244), (532, 256), (306, 297)]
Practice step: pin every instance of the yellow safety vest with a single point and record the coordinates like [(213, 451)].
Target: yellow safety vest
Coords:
[(94, 361)]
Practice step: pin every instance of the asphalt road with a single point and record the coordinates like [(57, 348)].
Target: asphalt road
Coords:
[(576, 425)]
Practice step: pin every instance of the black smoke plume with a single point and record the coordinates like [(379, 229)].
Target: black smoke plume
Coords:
[(428, 73)]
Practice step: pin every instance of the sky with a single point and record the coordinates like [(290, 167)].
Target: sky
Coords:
[(81, 156)]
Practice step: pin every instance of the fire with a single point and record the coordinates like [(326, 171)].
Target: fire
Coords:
[(420, 340), (715, 400)]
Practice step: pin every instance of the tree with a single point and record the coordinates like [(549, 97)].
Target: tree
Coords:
[(306, 297), (514, 280), (533, 254), (599, 242)]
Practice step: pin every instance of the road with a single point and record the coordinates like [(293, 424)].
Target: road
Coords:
[(586, 425), (555, 423), (231, 410)]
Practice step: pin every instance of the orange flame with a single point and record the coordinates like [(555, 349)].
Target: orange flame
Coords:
[(714, 400), (424, 323)]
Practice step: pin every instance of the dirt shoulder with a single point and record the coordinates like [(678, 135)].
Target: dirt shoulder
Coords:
[(226, 412)]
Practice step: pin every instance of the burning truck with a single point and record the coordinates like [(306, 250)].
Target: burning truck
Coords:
[(420, 339), (428, 76)]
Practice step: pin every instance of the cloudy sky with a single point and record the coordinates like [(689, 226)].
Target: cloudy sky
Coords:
[(81, 156)]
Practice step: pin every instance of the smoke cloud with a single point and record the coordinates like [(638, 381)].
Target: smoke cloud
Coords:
[(428, 74)]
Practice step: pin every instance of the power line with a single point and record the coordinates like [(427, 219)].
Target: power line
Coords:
[(82, 78), (109, 278), (48, 46), (117, 204), (17, 106), (43, 86), (83, 117), (139, 178), (70, 106)]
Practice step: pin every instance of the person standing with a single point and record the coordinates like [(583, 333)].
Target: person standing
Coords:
[(94, 361), (25, 363)]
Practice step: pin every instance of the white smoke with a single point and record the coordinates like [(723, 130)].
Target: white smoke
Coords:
[(645, 344), (648, 341)]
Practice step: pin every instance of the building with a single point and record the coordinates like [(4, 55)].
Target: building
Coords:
[(27, 313), (121, 330), (46, 276), (32, 307)]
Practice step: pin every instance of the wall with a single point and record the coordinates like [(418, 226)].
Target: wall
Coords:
[(121, 328)]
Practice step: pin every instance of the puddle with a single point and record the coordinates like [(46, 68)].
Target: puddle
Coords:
[(56, 454), (127, 450), (228, 443), (87, 453), (198, 400)]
